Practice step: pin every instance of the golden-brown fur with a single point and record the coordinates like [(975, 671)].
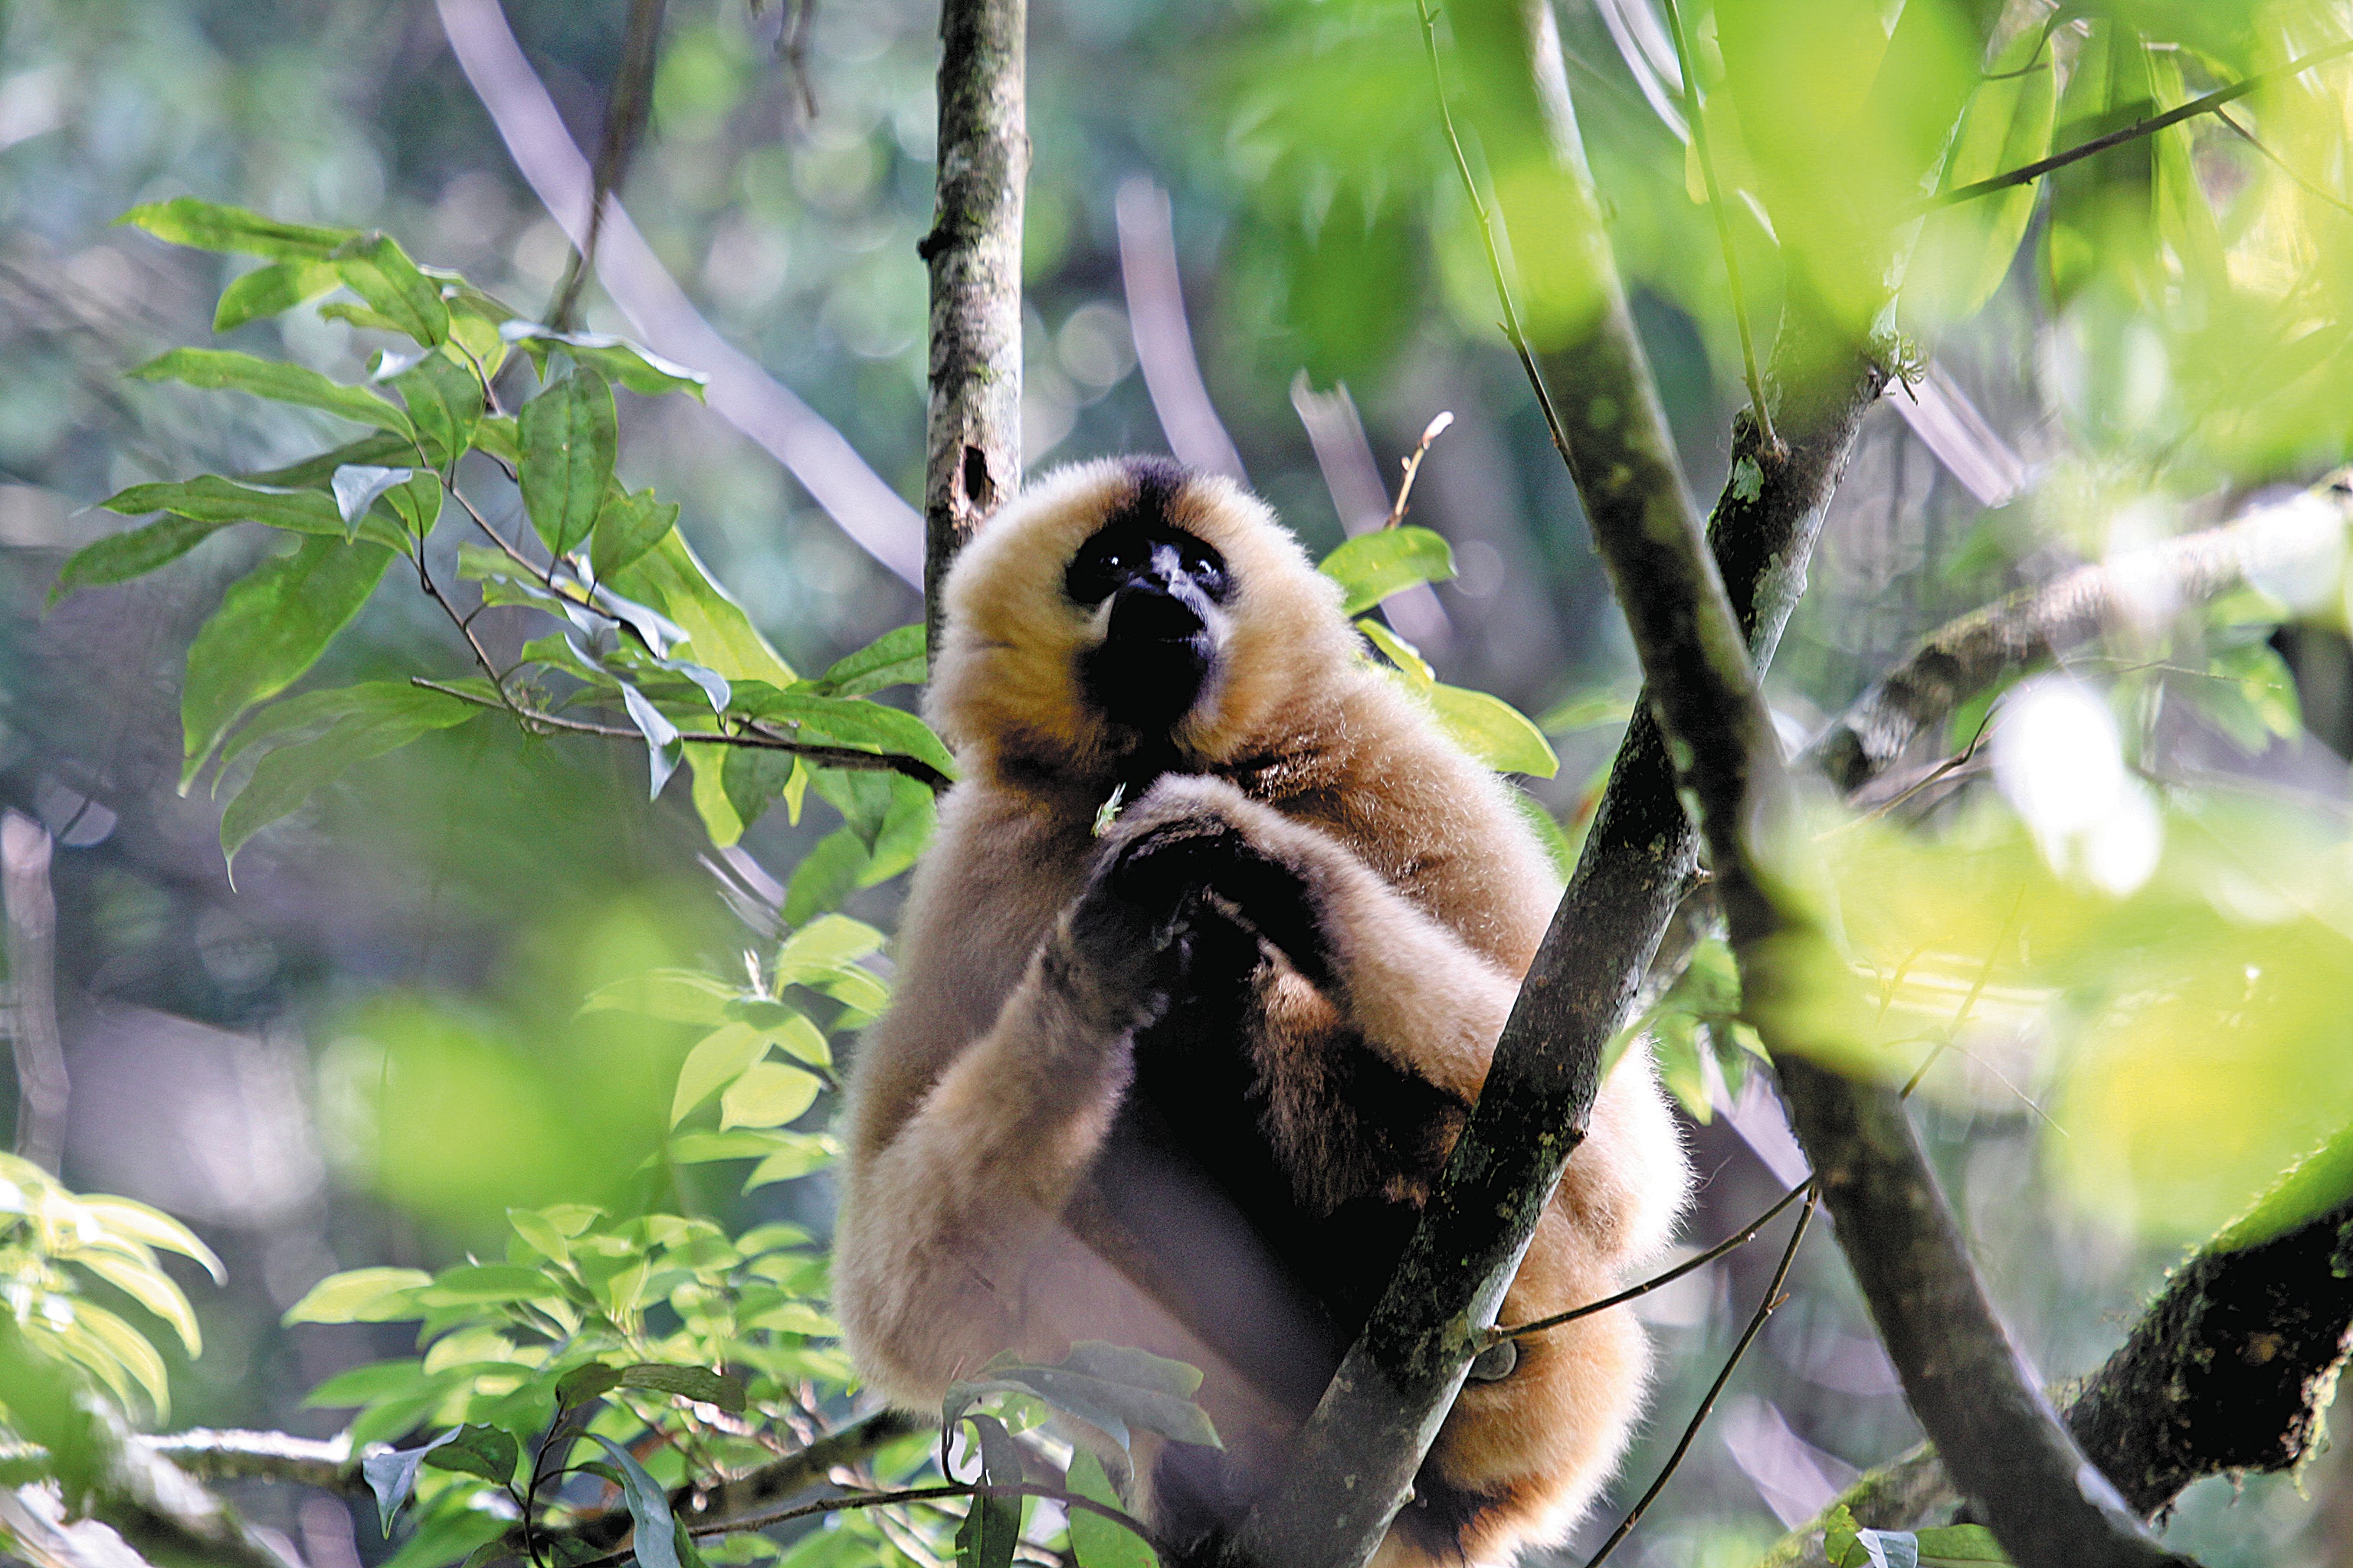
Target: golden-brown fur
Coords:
[(973, 1217)]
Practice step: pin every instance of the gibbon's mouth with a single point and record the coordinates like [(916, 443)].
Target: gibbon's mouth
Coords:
[(1146, 676)]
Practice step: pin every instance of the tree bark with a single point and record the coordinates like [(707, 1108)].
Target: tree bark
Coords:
[(973, 445)]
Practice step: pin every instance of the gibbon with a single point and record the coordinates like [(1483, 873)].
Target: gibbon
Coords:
[(1181, 1077)]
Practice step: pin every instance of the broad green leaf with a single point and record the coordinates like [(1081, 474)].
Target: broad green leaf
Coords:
[(269, 630), (694, 1383), (1372, 567), (675, 996), (474, 1451), (715, 802), (448, 1533), (367, 1384), (701, 1148), (151, 1288), (767, 1094), (375, 268), (373, 718), (1493, 730), (119, 557), (825, 947), (748, 778), (895, 659), (856, 722), (1941, 1546), (1097, 1541), (469, 1283), (569, 435), (1965, 250), (210, 499), (393, 1477), (631, 364), (499, 435), (360, 1296), (538, 1233), (312, 473), (797, 1155), (992, 1524), (631, 523), (783, 1026), (209, 225), (654, 1541), (445, 401), (718, 1058), (272, 290), (672, 580), (225, 369), (1586, 710), (586, 1383)]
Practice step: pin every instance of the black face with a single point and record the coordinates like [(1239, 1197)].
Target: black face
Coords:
[(1157, 654)]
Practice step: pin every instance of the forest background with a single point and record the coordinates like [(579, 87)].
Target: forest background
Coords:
[(415, 1013)]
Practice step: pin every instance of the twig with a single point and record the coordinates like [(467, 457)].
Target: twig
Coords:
[(1412, 465), (625, 127), (848, 758), (2283, 166), (2133, 132), (1686, 64), (1771, 1299), (1804, 1189)]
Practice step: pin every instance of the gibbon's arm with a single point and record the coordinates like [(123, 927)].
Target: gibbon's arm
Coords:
[(1418, 992)]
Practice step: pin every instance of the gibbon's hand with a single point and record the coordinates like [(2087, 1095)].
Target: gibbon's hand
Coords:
[(1181, 861)]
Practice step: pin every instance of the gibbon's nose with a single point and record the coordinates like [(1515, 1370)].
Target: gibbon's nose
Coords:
[(1146, 611)]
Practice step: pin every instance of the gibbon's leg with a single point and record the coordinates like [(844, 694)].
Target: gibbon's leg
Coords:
[(1417, 992)]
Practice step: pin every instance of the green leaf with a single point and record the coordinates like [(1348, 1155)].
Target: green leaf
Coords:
[(895, 659), (119, 557), (853, 722), (672, 580), (675, 996), (483, 1451), (360, 1296), (703, 1148), (1557, 846), (751, 776), (1493, 730), (826, 946), (225, 369), (1097, 1541), (312, 473), (654, 1541), (208, 226), (96, 1327), (367, 1384), (631, 523), (129, 1218), (767, 1094), (393, 1477), (827, 874), (718, 1059), (210, 499), (487, 1284), (586, 1383), (696, 1383), (1943, 1546), (1586, 710), (801, 1153), (992, 1525), (375, 268), (631, 364), (271, 628), (1109, 1386), (1963, 251), (272, 290), (369, 719), (444, 403), (569, 435), (1372, 567)]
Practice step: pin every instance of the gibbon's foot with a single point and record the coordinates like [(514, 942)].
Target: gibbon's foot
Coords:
[(1183, 856)]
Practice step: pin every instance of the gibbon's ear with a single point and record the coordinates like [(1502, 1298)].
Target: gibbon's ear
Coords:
[(1029, 607)]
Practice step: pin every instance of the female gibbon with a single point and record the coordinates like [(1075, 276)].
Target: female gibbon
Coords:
[(1184, 1081)]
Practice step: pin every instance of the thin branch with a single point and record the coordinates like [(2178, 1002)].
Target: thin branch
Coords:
[(2204, 104), (753, 737), (1771, 1299), (1698, 121), (1804, 1189), (2283, 166), (1412, 466), (973, 440), (625, 127)]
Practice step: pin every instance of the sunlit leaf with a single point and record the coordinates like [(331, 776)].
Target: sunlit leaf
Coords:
[(992, 1524), (1493, 730), (360, 1296), (767, 1094), (672, 580), (209, 225), (695, 1383), (1372, 567), (270, 290), (375, 268), (475, 1450), (895, 659), (675, 996), (631, 523), (717, 1060), (151, 1288), (1097, 1541)]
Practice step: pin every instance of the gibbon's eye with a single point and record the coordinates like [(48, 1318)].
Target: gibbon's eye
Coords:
[(1126, 552)]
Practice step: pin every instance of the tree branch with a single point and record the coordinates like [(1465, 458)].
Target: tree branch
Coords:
[(972, 448), (32, 1011), (1965, 657), (625, 127)]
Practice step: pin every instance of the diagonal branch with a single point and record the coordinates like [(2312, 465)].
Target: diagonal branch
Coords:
[(624, 126), (1968, 656)]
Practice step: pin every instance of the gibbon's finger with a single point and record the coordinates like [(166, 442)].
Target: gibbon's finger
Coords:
[(1205, 864)]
